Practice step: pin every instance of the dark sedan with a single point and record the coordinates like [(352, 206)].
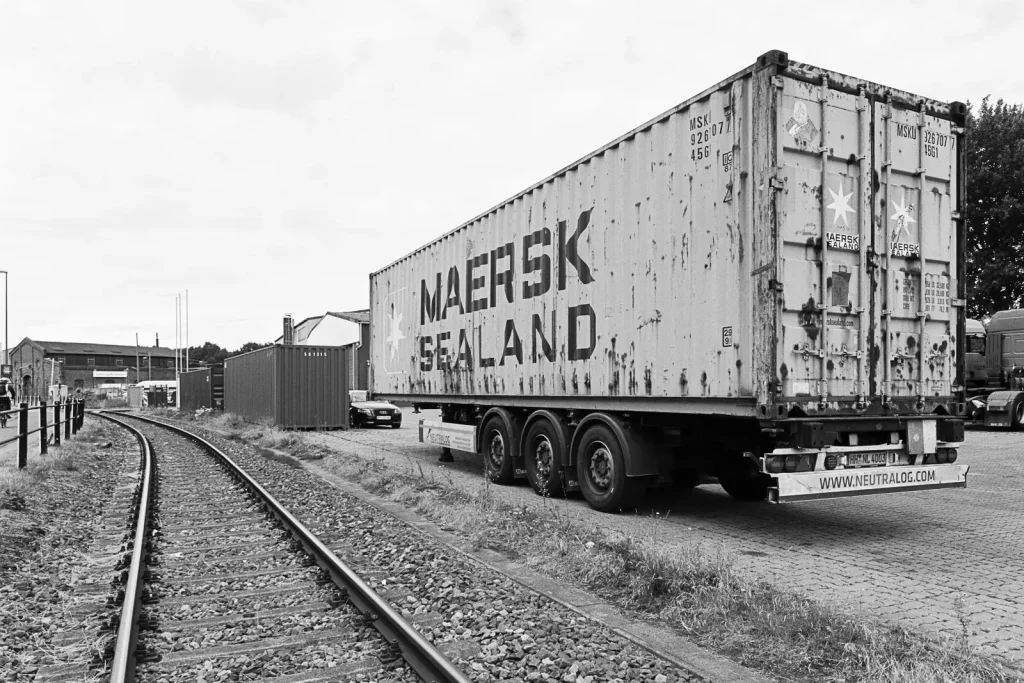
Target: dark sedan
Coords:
[(382, 413)]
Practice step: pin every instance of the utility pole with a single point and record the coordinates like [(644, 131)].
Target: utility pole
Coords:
[(7, 348), (177, 333), (137, 366), (187, 366)]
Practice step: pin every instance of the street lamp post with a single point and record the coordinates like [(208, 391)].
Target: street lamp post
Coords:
[(7, 348)]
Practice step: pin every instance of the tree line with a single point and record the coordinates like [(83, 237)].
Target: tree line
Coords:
[(211, 354), (994, 161)]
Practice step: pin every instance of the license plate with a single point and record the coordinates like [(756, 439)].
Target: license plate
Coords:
[(384, 417), (858, 459)]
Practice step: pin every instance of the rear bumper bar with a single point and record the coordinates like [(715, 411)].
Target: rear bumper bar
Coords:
[(863, 481)]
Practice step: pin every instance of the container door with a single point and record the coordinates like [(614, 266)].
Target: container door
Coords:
[(916, 243), (825, 234)]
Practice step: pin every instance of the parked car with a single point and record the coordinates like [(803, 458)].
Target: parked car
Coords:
[(363, 413)]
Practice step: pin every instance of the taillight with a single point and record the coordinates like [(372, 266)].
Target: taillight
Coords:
[(775, 464), (940, 455), (792, 462), (951, 456), (831, 461)]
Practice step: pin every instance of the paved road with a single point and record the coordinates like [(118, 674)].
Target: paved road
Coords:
[(903, 557)]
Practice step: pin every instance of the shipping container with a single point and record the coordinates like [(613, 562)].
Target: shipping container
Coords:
[(772, 269), (304, 387), (196, 389)]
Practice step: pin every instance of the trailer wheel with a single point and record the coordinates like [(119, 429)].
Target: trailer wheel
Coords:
[(601, 470), (497, 448), (745, 488), (543, 458), (1017, 413)]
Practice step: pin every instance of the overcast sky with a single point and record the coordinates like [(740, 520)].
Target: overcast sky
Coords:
[(267, 156)]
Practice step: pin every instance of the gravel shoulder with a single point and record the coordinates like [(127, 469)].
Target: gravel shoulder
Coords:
[(684, 571), (492, 626), (937, 562), (57, 551)]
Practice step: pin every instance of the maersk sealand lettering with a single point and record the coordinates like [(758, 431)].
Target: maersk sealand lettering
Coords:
[(437, 304)]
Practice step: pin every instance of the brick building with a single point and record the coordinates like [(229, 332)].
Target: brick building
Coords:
[(85, 366)]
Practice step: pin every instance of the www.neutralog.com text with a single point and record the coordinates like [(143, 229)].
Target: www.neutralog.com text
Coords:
[(872, 479)]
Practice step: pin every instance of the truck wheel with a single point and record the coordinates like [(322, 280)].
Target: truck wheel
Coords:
[(601, 470), (497, 448), (744, 488), (543, 456), (1017, 413)]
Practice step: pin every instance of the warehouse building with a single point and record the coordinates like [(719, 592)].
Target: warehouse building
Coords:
[(37, 364)]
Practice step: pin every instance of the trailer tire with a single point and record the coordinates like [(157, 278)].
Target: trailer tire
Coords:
[(601, 470), (1017, 413), (744, 488), (542, 455), (497, 450)]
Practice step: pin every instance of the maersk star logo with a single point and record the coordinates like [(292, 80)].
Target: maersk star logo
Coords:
[(396, 331), (902, 217), (841, 205)]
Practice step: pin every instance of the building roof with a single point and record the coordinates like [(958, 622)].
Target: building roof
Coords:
[(83, 348), (362, 316)]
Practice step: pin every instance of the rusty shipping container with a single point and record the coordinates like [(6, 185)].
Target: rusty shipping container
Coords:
[(782, 249), (303, 387)]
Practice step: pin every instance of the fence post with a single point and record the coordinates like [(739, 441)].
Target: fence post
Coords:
[(43, 436), (23, 436), (81, 414), (74, 416), (67, 419), (56, 421)]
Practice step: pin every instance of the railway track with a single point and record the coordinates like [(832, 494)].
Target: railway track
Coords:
[(225, 584)]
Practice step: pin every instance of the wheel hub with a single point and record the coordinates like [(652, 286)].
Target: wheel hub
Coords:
[(496, 450), (542, 457), (601, 467)]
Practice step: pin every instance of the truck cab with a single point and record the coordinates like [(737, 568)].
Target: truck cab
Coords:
[(975, 374), (1003, 390)]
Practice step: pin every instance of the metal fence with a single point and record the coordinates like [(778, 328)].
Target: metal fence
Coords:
[(68, 416)]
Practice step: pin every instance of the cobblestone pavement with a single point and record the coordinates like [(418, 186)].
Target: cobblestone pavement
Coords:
[(904, 557)]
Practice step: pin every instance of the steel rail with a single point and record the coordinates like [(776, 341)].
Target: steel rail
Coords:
[(123, 665), (421, 655)]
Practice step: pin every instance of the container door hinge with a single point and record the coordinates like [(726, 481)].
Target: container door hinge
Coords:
[(958, 302), (775, 285), (777, 184), (873, 260)]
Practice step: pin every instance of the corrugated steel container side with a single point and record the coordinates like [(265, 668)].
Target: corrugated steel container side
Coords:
[(250, 385), (718, 259), (612, 282), (196, 389), (312, 386), (363, 359), (217, 380)]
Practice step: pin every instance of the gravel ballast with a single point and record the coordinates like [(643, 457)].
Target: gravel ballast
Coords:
[(492, 627), (231, 597)]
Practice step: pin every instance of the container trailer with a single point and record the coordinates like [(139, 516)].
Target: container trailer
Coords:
[(764, 284)]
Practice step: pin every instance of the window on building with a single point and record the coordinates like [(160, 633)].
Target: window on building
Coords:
[(90, 361), (60, 359), (119, 362)]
